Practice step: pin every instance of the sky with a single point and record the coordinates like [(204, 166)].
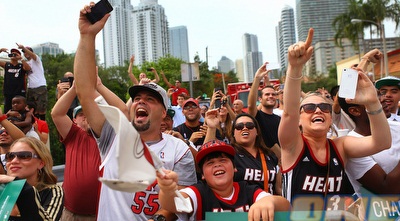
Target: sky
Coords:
[(214, 24)]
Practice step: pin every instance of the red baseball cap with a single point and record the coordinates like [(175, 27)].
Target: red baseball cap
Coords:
[(214, 146), (191, 100)]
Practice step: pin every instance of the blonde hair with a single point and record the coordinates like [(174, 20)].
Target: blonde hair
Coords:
[(46, 177), (317, 94)]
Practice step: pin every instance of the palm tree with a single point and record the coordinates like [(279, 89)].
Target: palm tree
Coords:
[(372, 10)]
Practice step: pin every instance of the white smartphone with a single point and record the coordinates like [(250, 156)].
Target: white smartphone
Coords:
[(348, 83)]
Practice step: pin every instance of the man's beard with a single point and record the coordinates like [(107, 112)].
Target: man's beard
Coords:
[(142, 127)]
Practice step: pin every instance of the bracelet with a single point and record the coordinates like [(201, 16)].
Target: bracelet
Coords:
[(366, 59), (3, 117), (374, 112), (298, 78)]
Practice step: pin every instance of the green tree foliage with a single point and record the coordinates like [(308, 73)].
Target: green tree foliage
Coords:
[(54, 69), (321, 81), (373, 10)]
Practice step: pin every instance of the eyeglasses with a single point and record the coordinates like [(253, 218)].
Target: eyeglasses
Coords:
[(3, 131), (187, 107), (310, 108), (248, 125), (22, 155)]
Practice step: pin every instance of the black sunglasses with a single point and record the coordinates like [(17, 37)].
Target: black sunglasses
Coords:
[(187, 107), (248, 125), (3, 131), (22, 155), (310, 108)]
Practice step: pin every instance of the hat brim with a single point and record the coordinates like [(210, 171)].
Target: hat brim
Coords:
[(222, 148), (134, 90), (16, 51), (387, 82)]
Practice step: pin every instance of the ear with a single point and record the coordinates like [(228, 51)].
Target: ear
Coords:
[(202, 177), (41, 165), (234, 170)]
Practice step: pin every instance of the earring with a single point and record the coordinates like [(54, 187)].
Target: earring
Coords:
[(39, 172)]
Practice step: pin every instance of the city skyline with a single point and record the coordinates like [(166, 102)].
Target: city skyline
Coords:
[(218, 25)]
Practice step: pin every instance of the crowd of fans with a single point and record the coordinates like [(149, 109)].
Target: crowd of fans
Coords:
[(286, 145)]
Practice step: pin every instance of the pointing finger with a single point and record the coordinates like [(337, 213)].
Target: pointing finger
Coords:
[(309, 38)]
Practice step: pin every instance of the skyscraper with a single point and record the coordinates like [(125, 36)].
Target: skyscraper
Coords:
[(252, 58), (117, 34), (225, 65), (318, 15), (178, 42), (285, 34), (47, 48), (150, 28)]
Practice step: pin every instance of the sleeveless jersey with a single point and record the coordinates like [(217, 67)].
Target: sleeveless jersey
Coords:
[(207, 201), (308, 175), (14, 79), (250, 169)]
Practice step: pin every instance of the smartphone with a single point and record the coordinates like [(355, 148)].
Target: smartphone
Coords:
[(281, 86), (100, 9), (149, 69), (70, 80), (348, 83), (217, 103)]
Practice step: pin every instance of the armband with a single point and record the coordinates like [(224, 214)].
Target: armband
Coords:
[(3, 117)]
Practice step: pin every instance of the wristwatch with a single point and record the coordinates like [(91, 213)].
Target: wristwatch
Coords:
[(158, 217)]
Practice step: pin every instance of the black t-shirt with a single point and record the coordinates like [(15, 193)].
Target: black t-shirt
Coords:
[(269, 124), (187, 132)]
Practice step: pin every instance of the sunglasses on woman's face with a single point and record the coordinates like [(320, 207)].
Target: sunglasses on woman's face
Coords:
[(248, 125), (22, 155), (310, 108)]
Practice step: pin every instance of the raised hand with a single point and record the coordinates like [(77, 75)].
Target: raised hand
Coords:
[(87, 28), (301, 52)]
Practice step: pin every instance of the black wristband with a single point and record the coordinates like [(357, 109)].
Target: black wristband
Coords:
[(158, 217)]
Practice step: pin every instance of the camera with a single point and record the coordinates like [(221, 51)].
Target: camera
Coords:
[(223, 101), (69, 79), (11, 55)]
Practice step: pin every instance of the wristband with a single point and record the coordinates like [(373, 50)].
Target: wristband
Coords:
[(374, 112), (3, 117), (366, 59)]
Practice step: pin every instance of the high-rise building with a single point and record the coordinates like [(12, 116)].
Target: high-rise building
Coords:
[(178, 42), (318, 15), (239, 69), (285, 35), (117, 34), (225, 65), (47, 48), (252, 58), (150, 28)]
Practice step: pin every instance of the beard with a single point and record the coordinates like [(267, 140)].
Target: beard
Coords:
[(141, 127)]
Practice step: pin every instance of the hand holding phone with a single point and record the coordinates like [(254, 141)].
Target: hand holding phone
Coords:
[(348, 83), (98, 11)]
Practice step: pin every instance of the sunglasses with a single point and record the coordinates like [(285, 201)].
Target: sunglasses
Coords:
[(3, 131), (248, 125), (187, 107), (22, 155), (310, 108)]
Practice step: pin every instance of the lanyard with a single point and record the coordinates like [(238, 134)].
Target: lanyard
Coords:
[(265, 169)]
